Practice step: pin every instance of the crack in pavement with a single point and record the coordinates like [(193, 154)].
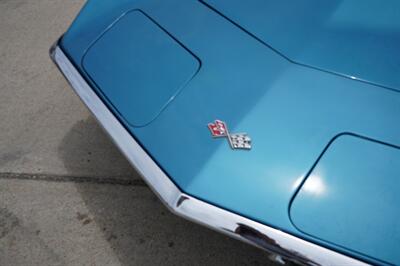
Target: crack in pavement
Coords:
[(74, 179)]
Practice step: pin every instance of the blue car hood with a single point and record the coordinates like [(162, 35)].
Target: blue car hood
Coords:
[(258, 72), (343, 37)]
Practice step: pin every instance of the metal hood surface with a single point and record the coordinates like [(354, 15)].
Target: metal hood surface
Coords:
[(359, 40), (217, 68), (139, 67), (351, 198)]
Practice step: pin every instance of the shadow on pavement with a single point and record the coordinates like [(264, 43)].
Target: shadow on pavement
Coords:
[(86, 148)]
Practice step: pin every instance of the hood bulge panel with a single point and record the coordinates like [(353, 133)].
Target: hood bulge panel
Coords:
[(139, 67), (351, 198)]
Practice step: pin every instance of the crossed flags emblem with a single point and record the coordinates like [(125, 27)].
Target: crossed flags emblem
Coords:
[(219, 129)]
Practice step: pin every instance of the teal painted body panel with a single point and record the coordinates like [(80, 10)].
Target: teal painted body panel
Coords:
[(131, 77), (351, 198), (291, 111), (357, 39)]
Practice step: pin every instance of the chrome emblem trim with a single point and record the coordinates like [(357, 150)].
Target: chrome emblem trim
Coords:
[(219, 129)]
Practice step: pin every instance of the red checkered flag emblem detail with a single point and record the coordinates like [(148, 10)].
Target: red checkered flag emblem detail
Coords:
[(218, 129), (236, 141)]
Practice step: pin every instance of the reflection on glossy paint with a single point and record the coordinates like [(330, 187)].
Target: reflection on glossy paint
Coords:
[(297, 183), (314, 185)]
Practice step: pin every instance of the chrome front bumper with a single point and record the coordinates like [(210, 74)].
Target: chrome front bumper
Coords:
[(274, 241)]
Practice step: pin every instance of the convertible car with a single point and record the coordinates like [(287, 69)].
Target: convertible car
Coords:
[(275, 122)]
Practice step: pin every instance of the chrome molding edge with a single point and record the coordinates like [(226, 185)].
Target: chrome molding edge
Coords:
[(286, 247)]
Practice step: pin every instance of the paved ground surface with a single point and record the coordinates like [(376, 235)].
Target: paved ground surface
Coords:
[(67, 196)]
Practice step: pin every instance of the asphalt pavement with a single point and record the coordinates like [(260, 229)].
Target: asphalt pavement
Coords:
[(67, 195)]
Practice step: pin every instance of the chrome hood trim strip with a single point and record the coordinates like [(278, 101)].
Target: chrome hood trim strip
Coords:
[(270, 239)]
